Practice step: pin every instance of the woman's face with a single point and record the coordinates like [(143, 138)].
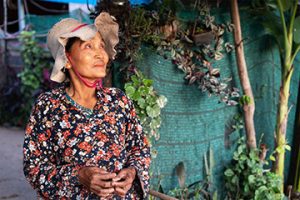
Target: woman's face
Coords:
[(89, 58)]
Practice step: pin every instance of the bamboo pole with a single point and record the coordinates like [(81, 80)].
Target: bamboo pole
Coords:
[(244, 78)]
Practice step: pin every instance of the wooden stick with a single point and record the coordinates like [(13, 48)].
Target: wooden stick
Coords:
[(243, 74), (161, 195)]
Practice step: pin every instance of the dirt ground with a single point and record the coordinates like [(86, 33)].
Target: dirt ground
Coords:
[(13, 184)]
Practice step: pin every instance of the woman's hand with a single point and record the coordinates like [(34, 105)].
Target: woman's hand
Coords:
[(123, 181), (97, 180)]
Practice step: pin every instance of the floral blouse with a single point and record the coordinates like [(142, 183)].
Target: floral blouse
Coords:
[(61, 137)]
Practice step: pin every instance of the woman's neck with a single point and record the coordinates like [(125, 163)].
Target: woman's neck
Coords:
[(83, 95)]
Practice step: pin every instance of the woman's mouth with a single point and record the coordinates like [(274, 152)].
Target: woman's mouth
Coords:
[(99, 65)]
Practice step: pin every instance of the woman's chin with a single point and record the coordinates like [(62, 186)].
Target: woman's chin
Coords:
[(99, 75)]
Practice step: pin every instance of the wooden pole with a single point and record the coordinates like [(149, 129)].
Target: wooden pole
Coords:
[(5, 35), (244, 78), (161, 195)]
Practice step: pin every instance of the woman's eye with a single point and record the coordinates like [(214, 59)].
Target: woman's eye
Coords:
[(102, 45), (88, 46)]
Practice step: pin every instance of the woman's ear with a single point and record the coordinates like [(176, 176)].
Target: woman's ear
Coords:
[(68, 65)]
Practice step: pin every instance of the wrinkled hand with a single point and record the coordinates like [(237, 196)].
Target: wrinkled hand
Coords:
[(123, 181), (97, 180)]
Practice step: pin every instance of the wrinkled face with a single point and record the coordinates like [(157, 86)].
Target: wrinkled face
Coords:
[(88, 58)]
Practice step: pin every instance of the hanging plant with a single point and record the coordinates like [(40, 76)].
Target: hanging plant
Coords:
[(147, 102), (193, 50)]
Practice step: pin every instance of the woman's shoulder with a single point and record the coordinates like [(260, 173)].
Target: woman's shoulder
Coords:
[(50, 95), (116, 92), (116, 95)]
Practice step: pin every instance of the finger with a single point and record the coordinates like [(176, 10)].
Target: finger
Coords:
[(105, 184), (108, 176), (121, 175), (101, 181), (121, 183), (96, 170), (102, 177), (121, 191), (102, 191)]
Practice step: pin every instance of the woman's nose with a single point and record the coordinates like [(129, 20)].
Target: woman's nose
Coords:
[(99, 54)]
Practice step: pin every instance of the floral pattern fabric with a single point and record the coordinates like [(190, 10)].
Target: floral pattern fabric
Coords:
[(60, 139)]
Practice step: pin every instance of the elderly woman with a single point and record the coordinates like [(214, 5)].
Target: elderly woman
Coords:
[(84, 141)]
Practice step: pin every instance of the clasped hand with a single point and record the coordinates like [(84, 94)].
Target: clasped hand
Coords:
[(104, 183)]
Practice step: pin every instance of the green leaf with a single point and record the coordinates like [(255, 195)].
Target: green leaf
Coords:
[(253, 155), (286, 4), (153, 111), (245, 100), (251, 179), (246, 188), (235, 179), (129, 89), (141, 102), (240, 149), (143, 90), (155, 123), (273, 26), (161, 101), (287, 147), (280, 149), (229, 173), (135, 80), (272, 158), (136, 95), (297, 30), (215, 195), (148, 82)]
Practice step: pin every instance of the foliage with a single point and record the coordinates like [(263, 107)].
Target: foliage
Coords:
[(247, 179), (20, 91), (280, 21), (148, 103), (194, 50), (237, 122), (199, 189), (193, 45), (245, 100), (34, 77), (279, 149)]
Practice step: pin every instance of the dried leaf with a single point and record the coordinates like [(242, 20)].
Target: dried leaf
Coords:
[(176, 42), (180, 172), (232, 103), (173, 53), (235, 94), (192, 80), (215, 72), (187, 39), (220, 31), (214, 81), (223, 86), (228, 47), (218, 56)]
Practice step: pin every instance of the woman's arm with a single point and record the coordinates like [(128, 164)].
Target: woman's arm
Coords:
[(138, 149), (49, 179)]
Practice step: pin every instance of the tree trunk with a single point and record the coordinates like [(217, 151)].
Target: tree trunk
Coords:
[(294, 170), (244, 78), (281, 123)]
